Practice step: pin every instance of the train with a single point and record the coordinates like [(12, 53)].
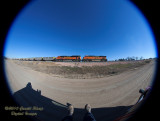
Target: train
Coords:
[(74, 58)]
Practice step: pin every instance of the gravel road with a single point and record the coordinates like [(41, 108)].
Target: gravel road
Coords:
[(107, 92)]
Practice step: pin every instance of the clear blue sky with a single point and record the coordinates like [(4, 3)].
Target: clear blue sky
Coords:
[(49, 28)]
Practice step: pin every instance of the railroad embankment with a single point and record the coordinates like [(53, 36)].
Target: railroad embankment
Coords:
[(82, 70)]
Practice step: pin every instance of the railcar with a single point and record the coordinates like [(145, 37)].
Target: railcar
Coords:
[(38, 58), (21, 59), (69, 58), (49, 58), (94, 58), (27, 59), (32, 59)]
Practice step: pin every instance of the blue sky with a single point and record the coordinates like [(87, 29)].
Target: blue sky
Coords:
[(49, 28)]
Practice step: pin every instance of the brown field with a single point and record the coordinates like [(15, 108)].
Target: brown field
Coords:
[(82, 70)]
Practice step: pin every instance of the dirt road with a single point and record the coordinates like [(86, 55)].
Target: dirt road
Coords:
[(112, 91)]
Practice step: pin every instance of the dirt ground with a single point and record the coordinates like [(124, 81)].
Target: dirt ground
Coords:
[(118, 90)]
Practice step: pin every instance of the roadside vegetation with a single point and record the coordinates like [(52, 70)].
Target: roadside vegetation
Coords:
[(83, 72), (102, 71)]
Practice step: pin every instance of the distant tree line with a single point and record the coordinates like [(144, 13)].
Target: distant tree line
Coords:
[(132, 58)]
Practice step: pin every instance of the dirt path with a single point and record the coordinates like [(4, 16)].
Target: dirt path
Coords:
[(118, 90)]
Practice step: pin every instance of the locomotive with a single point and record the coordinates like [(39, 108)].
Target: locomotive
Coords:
[(94, 58), (74, 58), (69, 58)]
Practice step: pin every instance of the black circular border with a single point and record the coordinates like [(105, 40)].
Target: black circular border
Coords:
[(148, 111)]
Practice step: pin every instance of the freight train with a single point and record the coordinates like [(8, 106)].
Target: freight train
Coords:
[(76, 58)]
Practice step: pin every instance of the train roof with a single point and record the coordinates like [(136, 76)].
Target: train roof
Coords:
[(71, 56), (93, 56), (75, 56), (47, 57)]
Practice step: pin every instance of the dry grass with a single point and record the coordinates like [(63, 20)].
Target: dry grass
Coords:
[(97, 70)]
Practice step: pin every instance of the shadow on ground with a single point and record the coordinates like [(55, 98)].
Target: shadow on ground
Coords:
[(54, 111)]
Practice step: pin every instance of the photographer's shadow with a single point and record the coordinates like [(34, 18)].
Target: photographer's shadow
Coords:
[(54, 111), (28, 97)]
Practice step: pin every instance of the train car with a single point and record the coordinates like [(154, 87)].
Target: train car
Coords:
[(21, 59), (27, 59), (38, 59), (94, 58), (32, 59), (49, 58), (69, 58)]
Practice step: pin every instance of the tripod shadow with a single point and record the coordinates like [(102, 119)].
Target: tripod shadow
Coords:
[(54, 111)]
